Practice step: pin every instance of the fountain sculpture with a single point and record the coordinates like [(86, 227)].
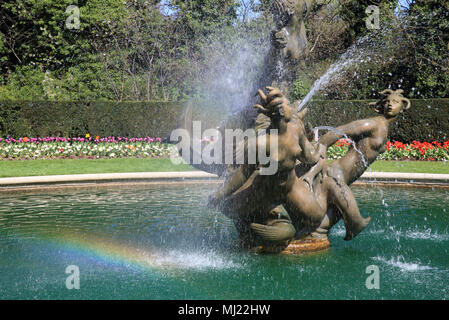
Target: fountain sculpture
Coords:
[(293, 209)]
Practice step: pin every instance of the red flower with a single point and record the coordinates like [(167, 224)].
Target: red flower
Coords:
[(399, 145), (343, 142)]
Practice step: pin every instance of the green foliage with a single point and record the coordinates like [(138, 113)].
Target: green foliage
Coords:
[(37, 35), (26, 118), (352, 12), (80, 82), (409, 51), (123, 51), (43, 59), (428, 38), (26, 82), (203, 17), (300, 88), (76, 118), (136, 51)]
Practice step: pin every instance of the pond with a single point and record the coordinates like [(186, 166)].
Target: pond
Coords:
[(162, 242)]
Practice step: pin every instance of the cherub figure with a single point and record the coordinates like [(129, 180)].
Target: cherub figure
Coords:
[(369, 136)]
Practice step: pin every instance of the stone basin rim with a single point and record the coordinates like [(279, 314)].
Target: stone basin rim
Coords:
[(368, 178)]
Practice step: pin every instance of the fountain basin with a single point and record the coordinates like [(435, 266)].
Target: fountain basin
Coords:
[(161, 242)]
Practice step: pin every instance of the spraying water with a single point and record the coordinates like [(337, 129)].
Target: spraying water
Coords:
[(232, 66), (339, 132), (353, 55)]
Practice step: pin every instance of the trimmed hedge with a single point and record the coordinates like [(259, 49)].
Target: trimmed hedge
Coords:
[(426, 120), (75, 119)]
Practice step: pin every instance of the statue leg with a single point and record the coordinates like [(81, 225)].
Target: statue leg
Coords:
[(341, 195), (302, 204), (331, 218)]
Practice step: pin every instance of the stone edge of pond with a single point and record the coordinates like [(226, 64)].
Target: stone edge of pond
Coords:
[(402, 179), (133, 178)]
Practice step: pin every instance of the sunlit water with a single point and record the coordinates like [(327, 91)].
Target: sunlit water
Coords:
[(161, 242)]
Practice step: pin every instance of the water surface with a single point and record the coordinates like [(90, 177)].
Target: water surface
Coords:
[(161, 242)]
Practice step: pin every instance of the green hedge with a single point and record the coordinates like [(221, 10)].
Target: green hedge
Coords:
[(25, 118), (426, 120)]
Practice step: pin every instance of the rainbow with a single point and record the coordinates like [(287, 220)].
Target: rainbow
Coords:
[(128, 253)]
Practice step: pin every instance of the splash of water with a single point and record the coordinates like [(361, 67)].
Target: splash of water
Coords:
[(399, 262), (231, 69), (339, 132), (115, 251), (428, 234), (352, 55)]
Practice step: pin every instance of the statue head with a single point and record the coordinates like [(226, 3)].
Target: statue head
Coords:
[(290, 37), (392, 103), (284, 10)]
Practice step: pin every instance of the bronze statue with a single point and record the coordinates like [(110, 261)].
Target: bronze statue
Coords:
[(306, 196), (286, 54), (252, 200), (288, 45), (290, 36), (315, 195), (369, 136)]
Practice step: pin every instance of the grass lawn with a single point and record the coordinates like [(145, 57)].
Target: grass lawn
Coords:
[(20, 168), (411, 166)]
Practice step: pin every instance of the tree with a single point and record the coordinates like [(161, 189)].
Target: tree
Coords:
[(409, 51), (352, 12), (37, 45), (428, 46)]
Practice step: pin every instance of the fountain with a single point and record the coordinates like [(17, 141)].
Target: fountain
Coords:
[(170, 241), (292, 208)]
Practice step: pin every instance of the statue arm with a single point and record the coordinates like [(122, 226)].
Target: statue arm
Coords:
[(310, 153), (352, 130), (238, 178)]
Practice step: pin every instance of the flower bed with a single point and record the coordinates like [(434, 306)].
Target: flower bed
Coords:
[(416, 150), (87, 147), (122, 147)]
